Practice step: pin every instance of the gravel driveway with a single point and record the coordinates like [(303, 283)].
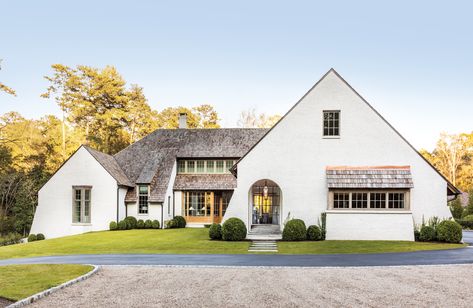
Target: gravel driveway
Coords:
[(148, 286)]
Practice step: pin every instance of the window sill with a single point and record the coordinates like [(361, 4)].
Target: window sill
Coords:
[(81, 224), (143, 214), (330, 137), (369, 211)]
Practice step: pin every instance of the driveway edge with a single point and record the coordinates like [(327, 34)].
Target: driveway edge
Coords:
[(37, 296)]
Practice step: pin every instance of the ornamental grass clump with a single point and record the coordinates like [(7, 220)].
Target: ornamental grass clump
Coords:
[(294, 230), (233, 229)]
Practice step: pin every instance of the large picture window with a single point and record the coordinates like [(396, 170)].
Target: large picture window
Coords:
[(331, 126), (376, 200), (143, 193), (81, 205)]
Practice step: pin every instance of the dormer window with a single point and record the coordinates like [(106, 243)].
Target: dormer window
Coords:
[(331, 123)]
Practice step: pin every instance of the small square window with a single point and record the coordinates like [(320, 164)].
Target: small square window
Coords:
[(341, 200), (331, 126)]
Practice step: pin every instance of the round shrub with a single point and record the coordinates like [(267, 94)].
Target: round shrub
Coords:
[(148, 224), (427, 234), (113, 226), (294, 230), (233, 229), (122, 225), (180, 222), (140, 224), (131, 222), (215, 232), (449, 231), (32, 238), (170, 224), (155, 224), (468, 218), (40, 237), (314, 233)]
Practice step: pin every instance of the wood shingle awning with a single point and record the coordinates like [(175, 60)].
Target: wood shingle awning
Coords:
[(369, 177)]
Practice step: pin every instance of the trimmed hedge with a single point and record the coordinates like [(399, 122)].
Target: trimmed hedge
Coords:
[(140, 224), (131, 222), (427, 234), (155, 224), (113, 226), (233, 229), (32, 238), (40, 237), (180, 222), (314, 233), (449, 231), (294, 230), (215, 232), (122, 225)]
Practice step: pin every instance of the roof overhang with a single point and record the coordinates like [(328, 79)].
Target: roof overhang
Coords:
[(380, 177)]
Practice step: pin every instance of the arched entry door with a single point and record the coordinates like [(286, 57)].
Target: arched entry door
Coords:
[(265, 203)]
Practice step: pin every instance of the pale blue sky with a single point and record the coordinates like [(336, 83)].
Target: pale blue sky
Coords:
[(412, 60)]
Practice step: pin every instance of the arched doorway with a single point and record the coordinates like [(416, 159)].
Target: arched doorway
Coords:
[(265, 203)]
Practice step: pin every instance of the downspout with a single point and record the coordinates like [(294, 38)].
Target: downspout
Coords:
[(162, 213), (118, 202), (173, 203)]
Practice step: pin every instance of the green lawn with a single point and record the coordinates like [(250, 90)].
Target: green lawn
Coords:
[(193, 241), (20, 281)]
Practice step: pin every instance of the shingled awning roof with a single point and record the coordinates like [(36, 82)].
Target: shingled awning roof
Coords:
[(205, 182), (369, 177)]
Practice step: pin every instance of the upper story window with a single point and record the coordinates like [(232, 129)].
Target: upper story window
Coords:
[(81, 205), (331, 123), (205, 166), (143, 192)]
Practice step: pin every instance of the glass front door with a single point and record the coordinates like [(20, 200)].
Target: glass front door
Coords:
[(266, 203)]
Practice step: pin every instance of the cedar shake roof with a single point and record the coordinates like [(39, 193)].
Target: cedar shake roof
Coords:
[(111, 165), (369, 177), (151, 159), (205, 181)]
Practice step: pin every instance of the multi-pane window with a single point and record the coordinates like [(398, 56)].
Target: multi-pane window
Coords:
[(195, 205), (378, 200), (331, 125), (220, 167), (204, 166), (143, 199), (396, 200), (359, 200), (341, 200), (210, 166), (200, 166), (81, 205)]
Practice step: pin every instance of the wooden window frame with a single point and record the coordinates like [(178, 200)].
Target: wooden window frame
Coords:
[(386, 192), (81, 220), (140, 211)]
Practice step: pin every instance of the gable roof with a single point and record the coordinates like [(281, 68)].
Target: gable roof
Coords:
[(109, 163), (151, 159), (451, 189)]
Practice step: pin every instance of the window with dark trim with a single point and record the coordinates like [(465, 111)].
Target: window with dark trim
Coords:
[(396, 200), (359, 200), (331, 123), (341, 200), (143, 199), (366, 199), (81, 205)]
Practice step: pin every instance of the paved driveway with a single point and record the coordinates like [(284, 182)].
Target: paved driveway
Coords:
[(148, 286)]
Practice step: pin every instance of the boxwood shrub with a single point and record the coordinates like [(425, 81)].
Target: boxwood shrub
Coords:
[(294, 230), (140, 224), (122, 225), (148, 224), (32, 238), (112, 226), (215, 232), (155, 224), (131, 222), (233, 229), (180, 222), (427, 234), (449, 231), (314, 233), (40, 237)]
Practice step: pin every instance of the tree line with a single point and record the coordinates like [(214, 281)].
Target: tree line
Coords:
[(100, 109)]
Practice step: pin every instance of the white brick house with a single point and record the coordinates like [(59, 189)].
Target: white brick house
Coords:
[(332, 152)]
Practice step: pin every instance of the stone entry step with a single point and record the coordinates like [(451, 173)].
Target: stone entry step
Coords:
[(263, 246)]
